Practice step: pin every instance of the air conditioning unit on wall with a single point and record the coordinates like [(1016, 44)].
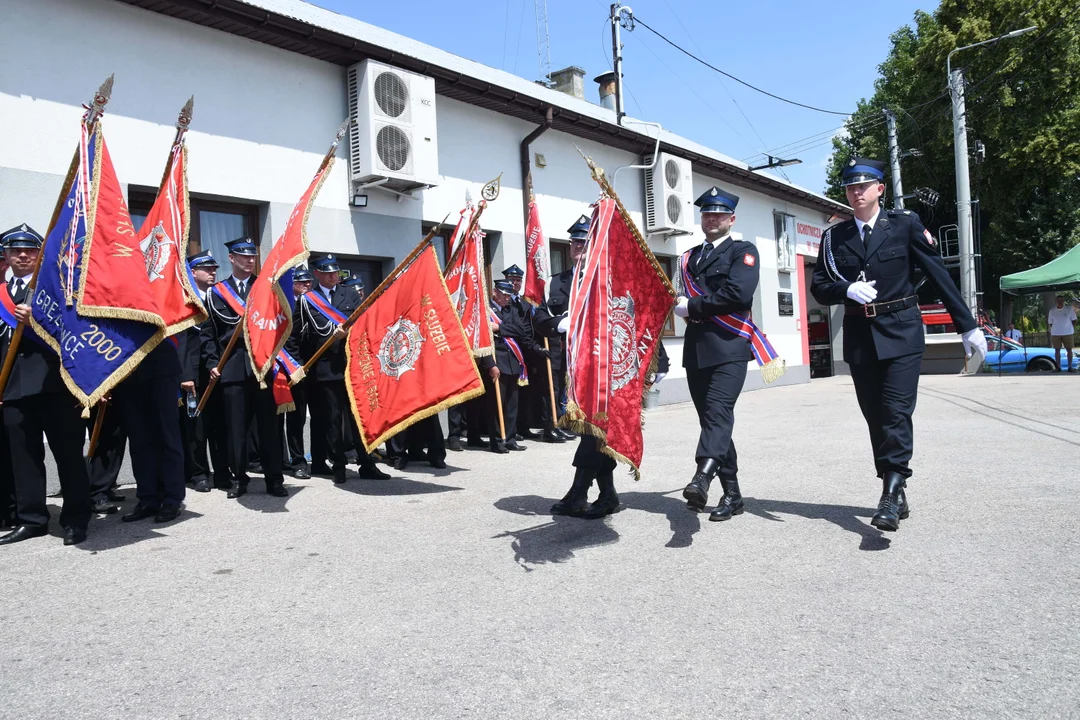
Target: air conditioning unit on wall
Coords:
[(393, 137), (669, 205)]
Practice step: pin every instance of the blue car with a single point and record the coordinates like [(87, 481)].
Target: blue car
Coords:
[(1014, 357)]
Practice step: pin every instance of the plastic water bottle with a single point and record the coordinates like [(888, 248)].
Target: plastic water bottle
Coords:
[(192, 404)]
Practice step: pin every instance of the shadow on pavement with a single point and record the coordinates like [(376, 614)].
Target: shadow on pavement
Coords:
[(847, 517), (555, 541), (394, 486), (684, 522), (257, 499), (108, 533)]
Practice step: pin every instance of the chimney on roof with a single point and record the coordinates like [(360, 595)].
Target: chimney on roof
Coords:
[(607, 89), (570, 80)]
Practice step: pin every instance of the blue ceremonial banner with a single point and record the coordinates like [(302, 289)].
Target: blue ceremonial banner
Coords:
[(96, 353)]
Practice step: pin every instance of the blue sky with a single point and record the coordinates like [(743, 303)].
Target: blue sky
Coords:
[(823, 53)]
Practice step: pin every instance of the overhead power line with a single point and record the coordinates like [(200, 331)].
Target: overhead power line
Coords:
[(712, 67)]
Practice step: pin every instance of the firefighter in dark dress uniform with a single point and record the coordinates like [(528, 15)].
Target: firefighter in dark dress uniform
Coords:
[(726, 270), (868, 265), (504, 368), (37, 406), (293, 422)]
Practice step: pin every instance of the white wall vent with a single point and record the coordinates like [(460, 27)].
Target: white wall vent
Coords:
[(669, 204), (393, 137)]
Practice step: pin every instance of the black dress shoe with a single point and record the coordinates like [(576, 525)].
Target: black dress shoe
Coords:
[(528, 435), (116, 496), (905, 509), (512, 445), (104, 507), (475, 442), (339, 478), (302, 473), (140, 512), (608, 502), (255, 468), (23, 532), (204, 485), (499, 448), (74, 535), (277, 490), (321, 470), (731, 504), (223, 483), (167, 513), (566, 433), (697, 492), (553, 437), (437, 464), (236, 491), (401, 462), (454, 444), (887, 517), (576, 502), (370, 472)]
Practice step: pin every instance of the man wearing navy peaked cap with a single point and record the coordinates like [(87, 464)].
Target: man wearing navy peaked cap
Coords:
[(725, 272), (867, 264)]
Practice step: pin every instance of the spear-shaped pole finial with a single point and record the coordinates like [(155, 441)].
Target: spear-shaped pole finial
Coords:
[(339, 136), (101, 99), (186, 112)]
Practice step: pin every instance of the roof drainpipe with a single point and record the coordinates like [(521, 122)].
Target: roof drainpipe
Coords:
[(526, 164)]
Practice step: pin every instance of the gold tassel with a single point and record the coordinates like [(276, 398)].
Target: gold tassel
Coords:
[(286, 408), (772, 370)]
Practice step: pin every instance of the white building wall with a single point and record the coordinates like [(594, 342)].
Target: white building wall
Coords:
[(263, 119)]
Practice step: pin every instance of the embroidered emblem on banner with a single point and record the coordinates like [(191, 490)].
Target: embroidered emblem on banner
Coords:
[(624, 358), (748, 260), (157, 249), (400, 348)]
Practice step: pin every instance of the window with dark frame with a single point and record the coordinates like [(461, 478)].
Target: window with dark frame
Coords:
[(667, 262)]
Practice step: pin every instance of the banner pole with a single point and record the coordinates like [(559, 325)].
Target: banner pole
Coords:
[(95, 434), (97, 107), (498, 402), (221, 364), (551, 389)]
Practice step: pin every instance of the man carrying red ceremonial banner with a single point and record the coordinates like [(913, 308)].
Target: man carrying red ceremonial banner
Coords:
[(617, 313), (408, 357), (268, 322), (468, 290), (537, 264)]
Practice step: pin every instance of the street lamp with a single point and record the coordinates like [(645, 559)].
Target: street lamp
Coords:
[(776, 163), (963, 182)]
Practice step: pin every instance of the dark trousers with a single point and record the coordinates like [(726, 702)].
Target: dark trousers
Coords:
[(589, 457), (246, 406), (28, 421), (715, 390), (425, 436), (509, 388), (467, 419), (887, 390), (294, 428), (331, 422), (539, 399), (7, 481), (200, 433), (147, 409), (104, 466)]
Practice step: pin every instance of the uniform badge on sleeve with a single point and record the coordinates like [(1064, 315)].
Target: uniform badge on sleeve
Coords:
[(748, 259), (928, 236)]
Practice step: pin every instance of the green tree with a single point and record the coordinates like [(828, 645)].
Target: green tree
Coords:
[(1023, 104)]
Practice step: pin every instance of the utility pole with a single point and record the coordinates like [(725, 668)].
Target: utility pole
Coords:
[(616, 57), (894, 161), (963, 190)]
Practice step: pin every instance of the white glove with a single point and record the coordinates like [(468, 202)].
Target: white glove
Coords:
[(974, 339), (564, 324), (658, 377), (862, 292), (683, 308)]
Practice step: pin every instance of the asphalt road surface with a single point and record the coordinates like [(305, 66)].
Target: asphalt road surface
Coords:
[(453, 594)]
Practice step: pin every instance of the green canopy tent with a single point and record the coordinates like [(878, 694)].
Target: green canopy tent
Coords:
[(1061, 273)]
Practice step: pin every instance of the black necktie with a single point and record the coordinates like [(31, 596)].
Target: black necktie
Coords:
[(706, 249), (19, 285), (330, 295), (866, 233)]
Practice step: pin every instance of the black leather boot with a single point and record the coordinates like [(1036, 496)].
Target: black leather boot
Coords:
[(576, 502), (887, 516), (731, 503), (608, 502), (697, 492)]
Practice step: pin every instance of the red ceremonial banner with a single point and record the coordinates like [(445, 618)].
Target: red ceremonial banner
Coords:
[(268, 321), (537, 263), (407, 355), (617, 315), (114, 283), (468, 292), (163, 239)]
